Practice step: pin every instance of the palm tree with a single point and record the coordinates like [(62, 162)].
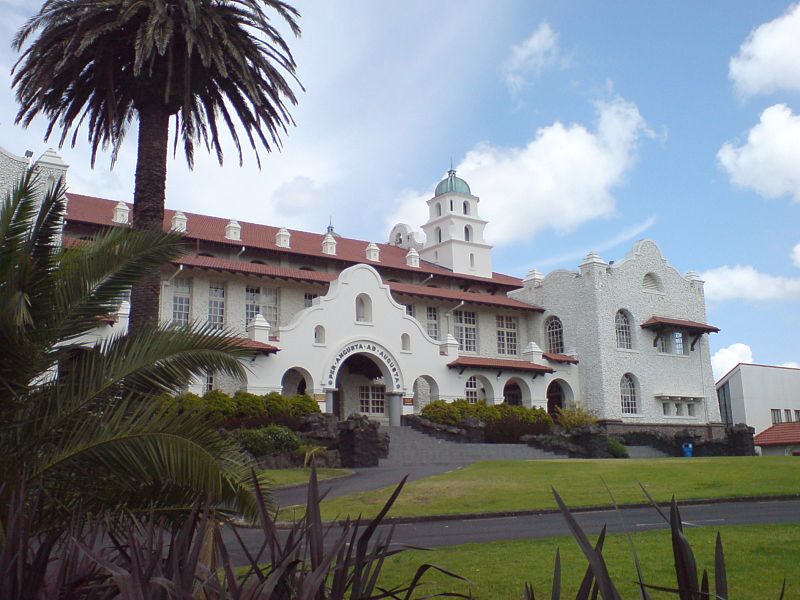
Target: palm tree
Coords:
[(104, 63), (78, 417)]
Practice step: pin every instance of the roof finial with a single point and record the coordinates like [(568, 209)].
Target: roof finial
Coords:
[(330, 224), (452, 171)]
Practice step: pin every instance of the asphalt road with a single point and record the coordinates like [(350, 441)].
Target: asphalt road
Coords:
[(452, 532)]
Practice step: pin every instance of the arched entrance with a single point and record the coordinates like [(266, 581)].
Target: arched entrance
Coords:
[(555, 397), (361, 388), (425, 391), (296, 381), (512, 393)]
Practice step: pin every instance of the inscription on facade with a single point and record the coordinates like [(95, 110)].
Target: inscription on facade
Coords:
[(366, 348)]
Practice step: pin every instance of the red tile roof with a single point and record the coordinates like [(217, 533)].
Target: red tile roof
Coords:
[(560, 358), (259, 347), (780, 434), (498, 363), (99, 211), (235, 266), (661, 322)]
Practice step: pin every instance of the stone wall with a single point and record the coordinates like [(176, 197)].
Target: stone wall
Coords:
[(711, 431)]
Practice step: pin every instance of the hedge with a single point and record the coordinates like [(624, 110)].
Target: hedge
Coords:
[(504, 423), (264, 441)]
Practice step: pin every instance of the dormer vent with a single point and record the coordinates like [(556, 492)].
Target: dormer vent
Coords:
[(329, 244), (121, 212), (233, 231), (283, 239), (412, 258), (179, 222), (373, 252)]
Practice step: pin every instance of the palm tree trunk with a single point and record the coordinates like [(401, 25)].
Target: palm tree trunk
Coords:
[(149, 197)]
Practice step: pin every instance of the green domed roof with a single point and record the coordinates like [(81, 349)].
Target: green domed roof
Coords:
[(452, 184)]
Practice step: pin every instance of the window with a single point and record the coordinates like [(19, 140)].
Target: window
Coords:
[(665, 408), (438, 209), (663, 343), (451, 206), (410, 310), (555, 335), (797, 415), (677, 342), (724, 397), (679, 409), (216, 305), (623, 325), (308, 299), (467, 233), (209, 384), (252, 304), (471, 260), (506, 335), (466, 330), (181, 301), (651, 283), (405, 342), (466, 207), (690, 410), (363, 309), (319, 334), (371, 399), (627, 393), (398, 239), (788, 414), (776, 416), (269, 305), (433, 322), (471, 390), (438, 235)]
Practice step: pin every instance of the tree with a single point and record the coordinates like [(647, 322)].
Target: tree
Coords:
[(79, 419), (104, 63)]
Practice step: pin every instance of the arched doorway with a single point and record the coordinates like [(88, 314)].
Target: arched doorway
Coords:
[(360, 388), (555, 397), (425, 391), (296, 381), (512, 393)]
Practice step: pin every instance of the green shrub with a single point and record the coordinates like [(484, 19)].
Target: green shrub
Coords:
[(441, 412), (516, 421), (188, 402), (616, 448), (574, 417), (277, 406), (218, 403), (302, 405), (272, 439), (249, 405)]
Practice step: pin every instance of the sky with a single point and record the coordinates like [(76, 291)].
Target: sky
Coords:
[(582, 126)]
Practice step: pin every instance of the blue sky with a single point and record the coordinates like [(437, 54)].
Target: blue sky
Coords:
[(581, 125)]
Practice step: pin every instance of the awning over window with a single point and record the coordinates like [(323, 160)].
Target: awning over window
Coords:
[(560, 358), (498, 364), (258, 347), (661, 325)]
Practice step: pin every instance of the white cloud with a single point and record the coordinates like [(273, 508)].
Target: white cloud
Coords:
[(297, 196), (561, 179), (724, 359), (744, 282), (768, 161), (768, 59), (791, 364), (532, 57), (796, 255)]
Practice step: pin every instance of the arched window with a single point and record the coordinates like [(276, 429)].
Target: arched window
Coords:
[(438, 235), (363, 309), (651, 283), (471, 390), (467, 233), (623, 326), (319, 334), (627, 394), (466, 207), (398, 239), (451, 206), (438, 209), (555, 335), (405, 342)]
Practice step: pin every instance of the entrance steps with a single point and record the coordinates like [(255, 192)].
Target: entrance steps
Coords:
[(408, 446)]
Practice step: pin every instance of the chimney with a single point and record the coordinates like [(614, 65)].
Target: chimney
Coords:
[(233, 231), (283, 239), (373, 252), (179, 222), (121, 212), (412, 258)]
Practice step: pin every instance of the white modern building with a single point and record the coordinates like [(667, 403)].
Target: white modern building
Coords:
[(759, 395), (384, 328)]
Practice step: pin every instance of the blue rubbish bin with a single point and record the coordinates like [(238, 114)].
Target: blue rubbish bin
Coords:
[(688, 449)]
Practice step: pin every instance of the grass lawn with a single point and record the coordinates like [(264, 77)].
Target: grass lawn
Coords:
[(285, 477), (495, 486), (757, 558)]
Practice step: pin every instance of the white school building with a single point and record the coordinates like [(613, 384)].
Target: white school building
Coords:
[(383, 328)]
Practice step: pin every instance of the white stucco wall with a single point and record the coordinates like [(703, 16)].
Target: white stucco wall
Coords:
[(757, 389)]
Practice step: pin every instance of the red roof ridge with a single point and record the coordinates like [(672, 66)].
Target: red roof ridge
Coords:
[(498, 363), (560, 358)]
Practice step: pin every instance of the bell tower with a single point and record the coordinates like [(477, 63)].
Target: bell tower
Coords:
[(454, 231)]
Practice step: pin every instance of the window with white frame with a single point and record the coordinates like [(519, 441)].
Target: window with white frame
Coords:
[(690, 409), (252, 303), (788, 414), (663, 343), (308, 299), (506, 335), (776, 415), (363, 308), (410, 310), (433, 322), (555, 335), (371, 399), (181, 301), (209, 383), (216, 305), (627, 393), (471, 390), (623, 326), (466, 330), (269, 305), (677, 342)]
